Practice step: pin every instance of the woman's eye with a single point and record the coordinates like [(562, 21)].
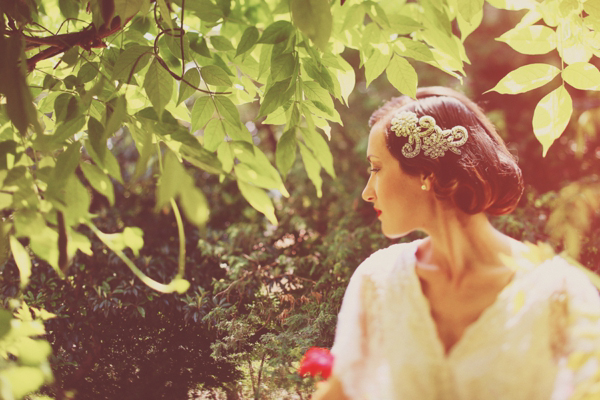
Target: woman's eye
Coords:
[(371, 170)]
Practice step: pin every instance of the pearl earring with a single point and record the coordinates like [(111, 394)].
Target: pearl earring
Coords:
[(423, 187)]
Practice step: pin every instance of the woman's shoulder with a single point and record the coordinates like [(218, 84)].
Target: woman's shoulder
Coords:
[(557, 274), (382, 262)]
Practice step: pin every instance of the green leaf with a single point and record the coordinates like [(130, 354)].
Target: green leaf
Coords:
[(282, 67), (277, 32), (172, 179), (248, 40), (198, 44), (582, 75), (225, 156), (275, 96), (87, 72), (227, 110), (320, 148), (206, 10), (285, 155), (185, 91), (403, 76), (130, 61), (202, 111), (69, 8), (194, 204), (214, 75), (22, 260), (313, 168), (526, 78), (99, 181), (313, 91), (13, 85), (214, 134), (551, 117), (534, 39), (314, 19), (376, 64), (158, 85), (127, 8), (221, 43), (469, 8), (164, 12), (414, 49), (22, 380), (259, 200)]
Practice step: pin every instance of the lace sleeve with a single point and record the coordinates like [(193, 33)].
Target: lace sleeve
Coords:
[(581, 370)]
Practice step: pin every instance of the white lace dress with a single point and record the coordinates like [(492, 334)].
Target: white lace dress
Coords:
[(539, 340)]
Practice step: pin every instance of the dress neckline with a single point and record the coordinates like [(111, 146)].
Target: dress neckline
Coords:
[(425, 309)]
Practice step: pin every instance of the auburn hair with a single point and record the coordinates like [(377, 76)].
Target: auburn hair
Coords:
[(485, 177)]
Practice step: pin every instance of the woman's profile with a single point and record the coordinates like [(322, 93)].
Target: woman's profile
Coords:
[(465, 313)]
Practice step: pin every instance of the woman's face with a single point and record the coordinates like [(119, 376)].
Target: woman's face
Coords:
[(397, 197)]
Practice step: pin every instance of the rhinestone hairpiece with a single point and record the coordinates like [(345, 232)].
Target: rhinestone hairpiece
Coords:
[(435, 140)]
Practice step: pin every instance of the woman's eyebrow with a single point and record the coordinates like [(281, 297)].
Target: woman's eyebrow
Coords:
[(371, 156)]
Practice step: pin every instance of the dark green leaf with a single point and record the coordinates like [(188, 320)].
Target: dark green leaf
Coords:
[(248, 40), (275, 97), (313, 18), (185, 90), (277, 32), (130, 61), (285, 155), (227, 110), (283, 67), (198, 44)]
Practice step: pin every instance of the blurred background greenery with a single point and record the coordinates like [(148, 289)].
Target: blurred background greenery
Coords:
[(261, 295)]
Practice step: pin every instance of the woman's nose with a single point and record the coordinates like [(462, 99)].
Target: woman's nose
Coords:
[(368, 194)]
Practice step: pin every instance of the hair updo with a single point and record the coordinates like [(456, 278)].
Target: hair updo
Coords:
[(485, 177)]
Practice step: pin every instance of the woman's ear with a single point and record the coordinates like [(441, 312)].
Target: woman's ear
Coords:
[(427, 181)]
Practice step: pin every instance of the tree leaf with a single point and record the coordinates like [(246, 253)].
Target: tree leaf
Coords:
[(214, 75), (194, 204), (158, 85), (314, 19), (403, 76), (172, 179), (227, 110), (376, 64), (277, 32), (214, 134), (221, 43), (202, 111), (185, 91), (319, 147), (526, 78), (99, 181), (285, 154), (275, 96), (259, 200), (282, 67), (206, 10), (582, 75), (551, 117), (313, 91), (534, 39), (22, 260), (248, 40), (127, 8), (313, 168), (469, 8), (130, 61)]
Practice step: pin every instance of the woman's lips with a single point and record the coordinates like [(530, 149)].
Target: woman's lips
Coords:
[(378, 212)]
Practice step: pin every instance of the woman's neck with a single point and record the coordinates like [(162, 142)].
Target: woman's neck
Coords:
[(461, 244)]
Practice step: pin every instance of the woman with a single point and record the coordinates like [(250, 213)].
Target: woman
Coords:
[(463, 313)]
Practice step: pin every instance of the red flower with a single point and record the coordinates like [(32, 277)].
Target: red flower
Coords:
[(316, 361)]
